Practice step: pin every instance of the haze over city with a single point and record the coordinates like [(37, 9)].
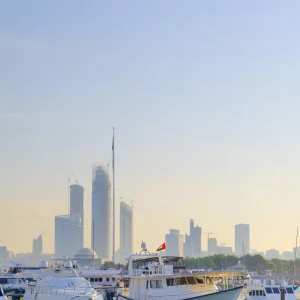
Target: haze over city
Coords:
[(204, 99)]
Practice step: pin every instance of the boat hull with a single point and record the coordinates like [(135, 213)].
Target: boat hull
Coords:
[(232, 294)]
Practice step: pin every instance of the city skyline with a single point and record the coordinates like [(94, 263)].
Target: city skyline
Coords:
[(204, 99)]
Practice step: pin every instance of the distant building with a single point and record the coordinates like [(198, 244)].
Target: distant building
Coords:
[(3, 255), (77, 211), (242, 239), (272, 254), (101, 213), (76, 201), (212, 246), (68, 237), (86, 257), (288, 255), (196, 234), (126, 232), (37, 245), (174, 243), (188, 246), (225, 250)]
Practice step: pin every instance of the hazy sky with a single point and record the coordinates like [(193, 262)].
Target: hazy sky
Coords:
[(204, 96)]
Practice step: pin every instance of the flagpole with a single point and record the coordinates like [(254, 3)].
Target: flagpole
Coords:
[(113, 193)]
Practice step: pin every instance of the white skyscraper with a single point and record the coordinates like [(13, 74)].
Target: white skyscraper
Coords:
[(67, 240), (101, 213), (242, 239), (126, 231), (174, 243)]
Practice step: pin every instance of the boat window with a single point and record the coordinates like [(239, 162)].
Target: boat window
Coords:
[(208, 280), (182, 281), (269, 290), (290, 290), (96, 279), (113, 279), (199, 280), (275, 290), (3, 281), (107, 279), (156, 284), (92, 279), (191, 280), (257, 292), (251, 293), (170, 281)]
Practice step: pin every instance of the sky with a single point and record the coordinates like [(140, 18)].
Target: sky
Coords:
[(204, 99)]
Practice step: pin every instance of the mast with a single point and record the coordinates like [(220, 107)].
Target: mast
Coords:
[(113, 193), (93, 245)]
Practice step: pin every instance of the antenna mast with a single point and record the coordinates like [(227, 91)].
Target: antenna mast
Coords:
[(113, 193)]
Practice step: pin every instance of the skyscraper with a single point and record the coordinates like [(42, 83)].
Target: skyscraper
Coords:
[(242, 239), (101, 213), (37, 245), (195, 233), (174, 243), (67, 238), (76, 201), (77, 212), (126, 231)]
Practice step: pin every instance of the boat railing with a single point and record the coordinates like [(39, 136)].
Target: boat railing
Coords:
[(82, 291)]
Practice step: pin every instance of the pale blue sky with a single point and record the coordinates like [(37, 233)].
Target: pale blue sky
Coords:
[(204, 97)]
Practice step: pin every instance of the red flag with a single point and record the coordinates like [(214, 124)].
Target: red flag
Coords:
[(162, 247)]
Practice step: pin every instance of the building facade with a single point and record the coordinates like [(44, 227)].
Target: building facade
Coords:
[(212, 246), (101, 213), (76, 201), (37, 245), (126, 232), (174, 243), (242, 239), (77, 212), (68, 237), (196, 235)]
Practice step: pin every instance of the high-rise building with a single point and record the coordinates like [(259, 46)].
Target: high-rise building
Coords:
[(37, 245), (188, 246), (212, 246), (101, 213), (126, 231), (77, 211), (195, 233), (174, 243), (68, 239), (76, 201), (242, 239)]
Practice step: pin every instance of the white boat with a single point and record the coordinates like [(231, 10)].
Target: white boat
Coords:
[(152, 278), (268, 289), (60, 283)]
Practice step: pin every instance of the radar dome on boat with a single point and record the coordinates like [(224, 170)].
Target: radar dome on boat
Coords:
[(44, 264), (68, 264)]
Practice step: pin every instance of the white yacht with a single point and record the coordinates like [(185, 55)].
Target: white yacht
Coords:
[(61, 283), (151, 277), (268, 289)]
